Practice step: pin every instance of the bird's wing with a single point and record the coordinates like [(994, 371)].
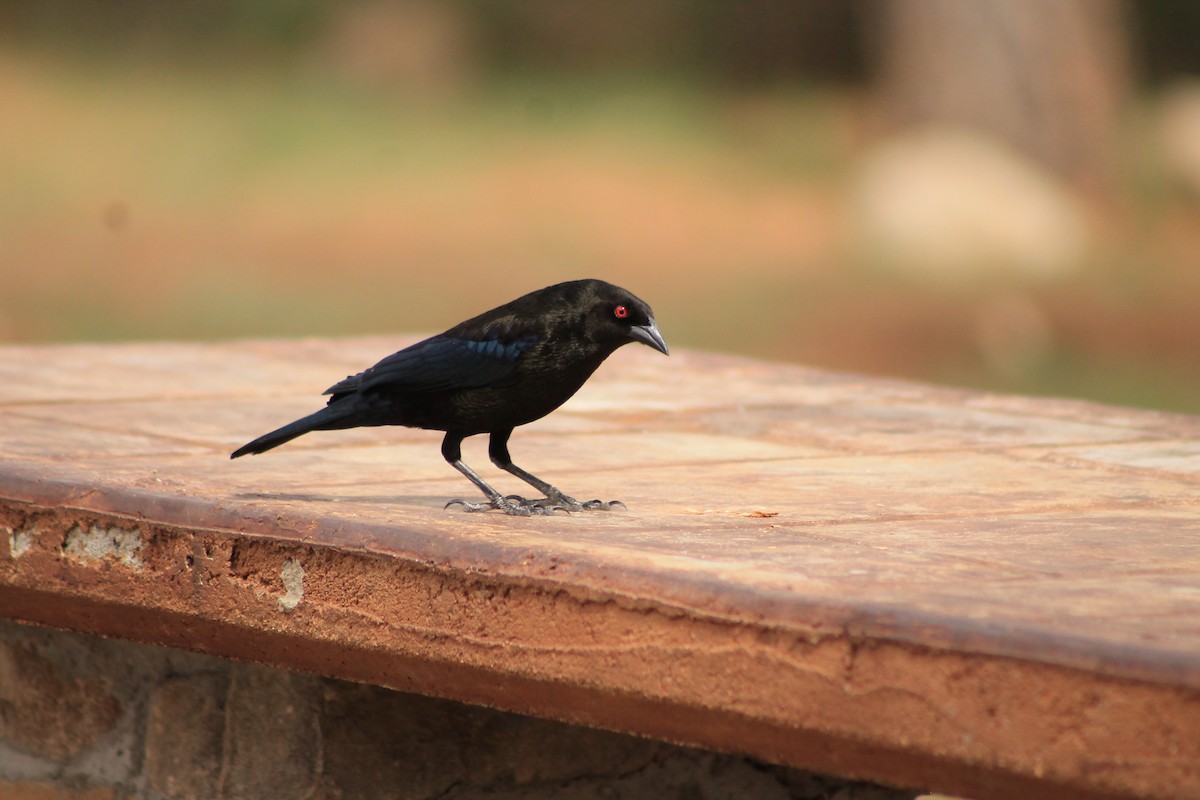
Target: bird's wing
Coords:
[(441, 363)]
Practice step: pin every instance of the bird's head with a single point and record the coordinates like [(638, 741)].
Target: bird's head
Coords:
[(617, 317)]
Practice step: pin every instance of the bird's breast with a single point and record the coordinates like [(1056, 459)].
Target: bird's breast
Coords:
[(537, 389)]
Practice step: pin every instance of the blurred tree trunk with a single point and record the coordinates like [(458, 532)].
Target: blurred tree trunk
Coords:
[(1045, 75)]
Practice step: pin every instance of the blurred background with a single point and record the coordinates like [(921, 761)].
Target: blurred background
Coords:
[(1001, 194)]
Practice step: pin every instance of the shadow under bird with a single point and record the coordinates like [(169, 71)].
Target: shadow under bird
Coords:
[(504, 368)]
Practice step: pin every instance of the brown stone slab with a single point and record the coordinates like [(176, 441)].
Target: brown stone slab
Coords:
[(995, 596)]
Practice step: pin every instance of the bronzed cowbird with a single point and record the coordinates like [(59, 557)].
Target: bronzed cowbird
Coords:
[(504, 368)]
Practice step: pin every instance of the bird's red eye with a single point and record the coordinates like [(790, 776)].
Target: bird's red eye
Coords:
[(620, 312)]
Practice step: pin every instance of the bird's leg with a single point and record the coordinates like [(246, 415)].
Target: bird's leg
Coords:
[(452, 452), (498, 451)]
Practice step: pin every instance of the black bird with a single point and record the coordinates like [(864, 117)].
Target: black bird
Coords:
[(503, 368)]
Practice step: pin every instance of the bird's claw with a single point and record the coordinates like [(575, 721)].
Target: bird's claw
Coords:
[(611, 504), (467, 505), (600, 505), (520, 508), (562, 502), (571, 504), (516, 505)]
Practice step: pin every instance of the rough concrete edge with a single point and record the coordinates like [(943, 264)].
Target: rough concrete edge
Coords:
[(813, 619)]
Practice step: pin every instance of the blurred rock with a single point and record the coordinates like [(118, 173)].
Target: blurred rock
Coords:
[(947, 205), (1179, 134)]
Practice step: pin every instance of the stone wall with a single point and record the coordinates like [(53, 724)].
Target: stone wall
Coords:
[(94, 719)]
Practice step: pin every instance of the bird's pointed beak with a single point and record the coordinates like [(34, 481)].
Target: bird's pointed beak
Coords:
[(648, 335)]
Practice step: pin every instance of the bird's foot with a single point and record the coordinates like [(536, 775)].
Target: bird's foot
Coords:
[(513, 505), (571, 504), (598, 505)]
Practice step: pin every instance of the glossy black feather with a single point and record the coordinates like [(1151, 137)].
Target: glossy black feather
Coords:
[(439, 364)]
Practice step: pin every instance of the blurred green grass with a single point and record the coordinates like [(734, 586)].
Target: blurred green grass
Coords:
[(156, 199), (187, 157)]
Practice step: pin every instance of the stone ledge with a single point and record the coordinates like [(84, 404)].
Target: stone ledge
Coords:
[(986, 595)]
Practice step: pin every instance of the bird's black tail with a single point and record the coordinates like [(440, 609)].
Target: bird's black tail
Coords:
[(327, 418)]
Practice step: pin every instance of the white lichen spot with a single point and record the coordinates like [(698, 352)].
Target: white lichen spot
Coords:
[(292, 576), (98, 544), (19, 542), (22, 542)]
